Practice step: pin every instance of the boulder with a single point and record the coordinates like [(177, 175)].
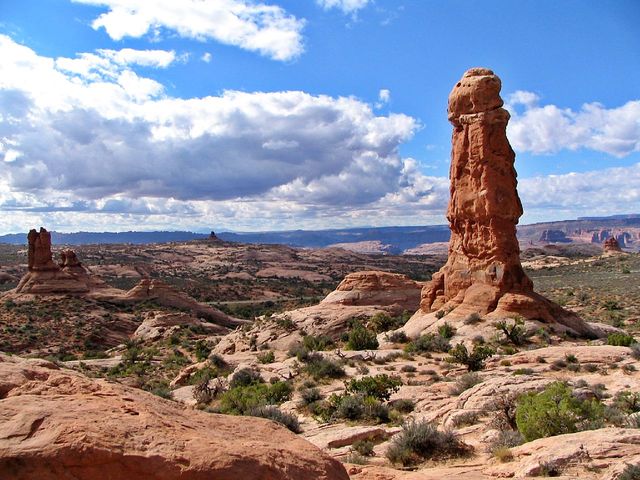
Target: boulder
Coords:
[(58, 424)]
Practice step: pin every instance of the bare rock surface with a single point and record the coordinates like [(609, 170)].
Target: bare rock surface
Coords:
[(601, 449), (611, 245), (58, 424), (483, 274)]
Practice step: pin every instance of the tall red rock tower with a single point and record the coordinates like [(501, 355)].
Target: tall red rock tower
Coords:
[(483, 273)]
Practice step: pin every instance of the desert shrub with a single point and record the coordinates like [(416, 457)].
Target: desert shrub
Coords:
[(611, 305), (310, 395), (627, 401), (202, 350), (474, 361), (266, 357), (620, 339), (502, 444), (217, 361), (635, 350), (274, 413), (465, 382), (202, 393), (361, 338), (350, 407), (382, 322), (356, 458), (440, 314), (630, 472), (244, 378), (320, 367), (408, 369), (317, 342), (403, 405), (398, 337), (241, 400), (419, 441), (446, 330), (523, 371), (428, 343), (503, 411), (502, 454), (554, 411), (515, 333), (363, 447), (571, 358), (380, 387), (466, 418)]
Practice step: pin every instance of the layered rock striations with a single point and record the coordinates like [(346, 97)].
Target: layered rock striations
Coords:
[(611, 245), (483, 274)]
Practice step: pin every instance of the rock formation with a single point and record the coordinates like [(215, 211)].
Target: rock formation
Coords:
[(483, 274), (611, 245), (44, 275), (39, 253), (376, 288), (56, 424), (157, 325), (554, 236)]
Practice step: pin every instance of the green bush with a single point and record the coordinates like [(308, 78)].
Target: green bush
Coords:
[(243, 399), (310, 395), (382, 322), (274, 413), (202, 351), (361, 338), (630, 472), (474, 361), (398, 337), (244, 378), (465, 382), (320, 367), (446, 330), (554, 411), (421, 441), (620, 339), (320, 342), (266, 357), (380, 387), (515, 333), (428, 343)]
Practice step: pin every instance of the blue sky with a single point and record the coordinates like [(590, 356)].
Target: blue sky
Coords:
[(274, 114)]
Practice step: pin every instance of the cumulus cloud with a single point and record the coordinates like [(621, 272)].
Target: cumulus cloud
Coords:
[(250, 25), (346, 6), (206, 57), (543, 129), (90, 130)]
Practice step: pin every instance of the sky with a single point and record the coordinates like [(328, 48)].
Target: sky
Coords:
[(253, 115)]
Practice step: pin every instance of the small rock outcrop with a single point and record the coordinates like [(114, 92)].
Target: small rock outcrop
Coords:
[(483, 274), (377, 288), (56, 423), (156, 325), (611, 245)]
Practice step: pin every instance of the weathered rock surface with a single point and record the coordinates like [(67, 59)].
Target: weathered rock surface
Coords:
[(601, 449), (377, 288), (58, 424), (39, 251), (158, 325), (554, 236), (483, 273)]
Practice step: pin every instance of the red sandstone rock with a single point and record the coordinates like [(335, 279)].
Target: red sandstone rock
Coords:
[(39, 253), (58, 424), (483, 273), (611, 245)]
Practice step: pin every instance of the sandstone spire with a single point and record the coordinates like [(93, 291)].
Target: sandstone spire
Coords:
[(39, 253), (483, 274)]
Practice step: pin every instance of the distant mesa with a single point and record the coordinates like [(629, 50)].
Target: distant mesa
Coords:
[(483, 274), (554, 236)]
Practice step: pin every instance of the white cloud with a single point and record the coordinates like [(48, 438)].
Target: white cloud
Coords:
[(206, 57), (146, 58), (549, 129), (384, 96), (250, 25), (346, 6), (95, 136)]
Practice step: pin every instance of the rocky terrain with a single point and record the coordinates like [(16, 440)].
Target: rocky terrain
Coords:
[(134, 360)]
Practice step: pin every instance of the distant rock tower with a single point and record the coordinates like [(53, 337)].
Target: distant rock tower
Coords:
[(39, 253), (611, 245), (483, 274)]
